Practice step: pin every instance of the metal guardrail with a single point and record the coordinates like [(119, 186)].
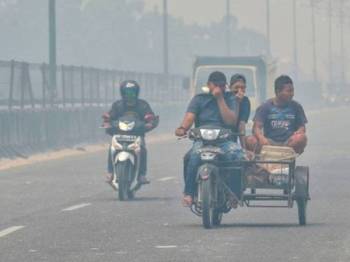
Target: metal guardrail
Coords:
[(24, 85), (32, 118), (23, 132)]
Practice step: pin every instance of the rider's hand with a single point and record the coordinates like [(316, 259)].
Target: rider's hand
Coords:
[(106, 125), (263, 141), (299, 132), (240, 95), (217, 92), (148, 126), (180, 131)]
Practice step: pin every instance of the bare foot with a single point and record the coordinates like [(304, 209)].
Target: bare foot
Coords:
[(187, 201)]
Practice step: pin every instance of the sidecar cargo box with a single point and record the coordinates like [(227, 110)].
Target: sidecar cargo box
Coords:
[(261, 175), (277, 153)]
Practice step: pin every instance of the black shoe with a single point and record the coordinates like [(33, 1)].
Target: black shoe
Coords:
[(143, 180)]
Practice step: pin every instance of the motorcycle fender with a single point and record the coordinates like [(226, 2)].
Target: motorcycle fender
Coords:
[(124, 156), (205, 170)]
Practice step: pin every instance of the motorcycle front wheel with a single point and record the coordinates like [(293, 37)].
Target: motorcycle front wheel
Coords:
[(123, 170), (208, 212)]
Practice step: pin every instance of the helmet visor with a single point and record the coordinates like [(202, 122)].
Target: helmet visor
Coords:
[(129, 93)]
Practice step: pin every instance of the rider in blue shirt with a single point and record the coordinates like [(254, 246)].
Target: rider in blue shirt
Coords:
[(217, 109)]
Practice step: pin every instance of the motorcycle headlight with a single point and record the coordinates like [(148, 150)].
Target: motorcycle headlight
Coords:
[(126, 126), (136, 145), (210, 134), (115, 144)]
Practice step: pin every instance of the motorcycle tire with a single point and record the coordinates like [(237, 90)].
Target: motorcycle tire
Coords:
[(207, 208), (123, 169)]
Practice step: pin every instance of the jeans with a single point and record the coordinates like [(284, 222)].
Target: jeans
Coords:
[(143, 161), (232, 151)]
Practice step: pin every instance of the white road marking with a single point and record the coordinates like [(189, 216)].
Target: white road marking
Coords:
[(10, 230), (166, 179), (121, 252), (166, 247), (76, 207)]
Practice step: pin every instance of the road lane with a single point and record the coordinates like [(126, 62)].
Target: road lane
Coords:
[(155, 227)]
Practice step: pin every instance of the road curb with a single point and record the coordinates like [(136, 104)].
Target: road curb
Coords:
[(6, 164)]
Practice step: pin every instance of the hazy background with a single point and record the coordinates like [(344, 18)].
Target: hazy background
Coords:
[(251, 14), (127, 34)]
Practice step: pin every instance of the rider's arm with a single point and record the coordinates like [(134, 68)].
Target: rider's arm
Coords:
[(242, 130), (149, 117), (186, 124), (192, 110), (228, 114), (244, 114), (259, 134), (301, 120), (114, 113), (259, 120), (188, 121), (301, 130), (189, 118)]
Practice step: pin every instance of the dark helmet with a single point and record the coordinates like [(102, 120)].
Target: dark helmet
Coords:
[(129, 91)]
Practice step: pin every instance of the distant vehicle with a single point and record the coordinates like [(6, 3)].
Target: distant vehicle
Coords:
[(258, 71)]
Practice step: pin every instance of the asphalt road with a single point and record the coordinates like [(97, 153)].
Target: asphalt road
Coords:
[(62, 210)]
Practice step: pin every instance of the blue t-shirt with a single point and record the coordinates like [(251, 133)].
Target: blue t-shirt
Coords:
[(280, 122), (206, 109)]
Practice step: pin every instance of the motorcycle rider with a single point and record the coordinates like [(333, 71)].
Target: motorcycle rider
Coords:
[(218, 108), (130, 104), (238, 86), (280, 121)]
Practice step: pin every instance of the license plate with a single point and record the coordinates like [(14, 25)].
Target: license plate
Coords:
[(210, 149), (125, 138)]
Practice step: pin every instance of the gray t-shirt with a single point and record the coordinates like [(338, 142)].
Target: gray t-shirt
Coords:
[(207, 111), (280, 122)]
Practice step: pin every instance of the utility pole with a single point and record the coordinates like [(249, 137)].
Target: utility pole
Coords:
[(314, 56), (268, 27), (228, 27), (295, 45), (52, 48), (330, 42), (342, 50), (166, 39)]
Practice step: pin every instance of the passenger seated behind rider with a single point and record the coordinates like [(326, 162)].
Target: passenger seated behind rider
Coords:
[(216, 109), (280, 121), (131, 104), (238, 85)]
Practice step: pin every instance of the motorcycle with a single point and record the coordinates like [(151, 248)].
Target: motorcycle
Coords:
[(125, 151), (214, 196)]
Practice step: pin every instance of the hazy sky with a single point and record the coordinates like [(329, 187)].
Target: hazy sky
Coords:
[(251, 14)]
